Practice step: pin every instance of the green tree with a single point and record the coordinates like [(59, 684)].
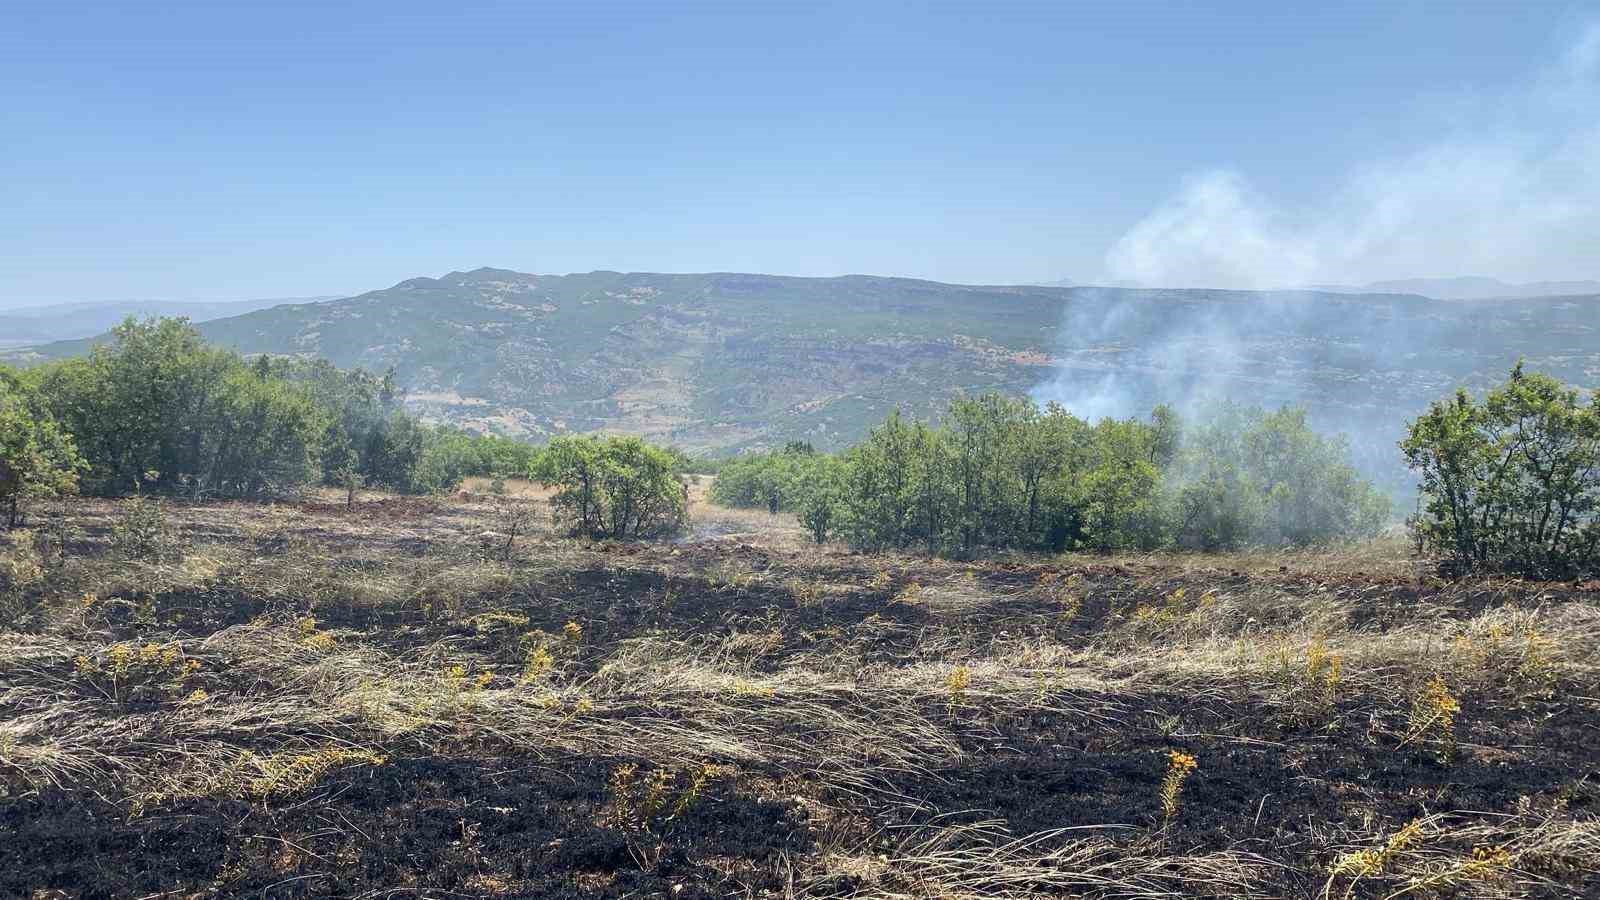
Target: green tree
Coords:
[(1512, 483), (1118, 490), (616, 487), (157, 399), (999, 473), (819, 489), (37, 458)]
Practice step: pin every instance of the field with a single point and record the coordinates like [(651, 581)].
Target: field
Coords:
[(439, 697)]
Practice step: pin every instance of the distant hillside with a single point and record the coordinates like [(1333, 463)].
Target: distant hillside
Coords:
[(29, 325), (719, 362), (1468, 288)]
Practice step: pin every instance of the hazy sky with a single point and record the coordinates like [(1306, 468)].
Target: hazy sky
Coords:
[(185, 151)]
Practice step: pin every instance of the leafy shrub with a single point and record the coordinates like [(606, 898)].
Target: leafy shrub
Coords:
[(37, 458), (142, 530), (1513, 483), (1000, 473), (157, 398), (617, 487), (1249, 477)]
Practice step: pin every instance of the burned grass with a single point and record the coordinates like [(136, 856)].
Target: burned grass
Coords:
[(320, 701)]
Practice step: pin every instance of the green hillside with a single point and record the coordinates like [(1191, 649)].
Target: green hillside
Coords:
[(718, 362)]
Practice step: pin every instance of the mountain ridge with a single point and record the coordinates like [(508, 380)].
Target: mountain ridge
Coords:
[(1468, 287), (48, 323), (721, 362)]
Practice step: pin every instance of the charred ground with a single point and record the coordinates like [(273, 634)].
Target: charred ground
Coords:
[(306, 700)]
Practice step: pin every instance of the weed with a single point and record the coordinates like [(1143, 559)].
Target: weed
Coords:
[(881, 580), (910, 595), (729, 574), (742, 688), (125, 672), (1433, 716), (1065, 592), (1368, 863), (1310, 686), (537, 665), (1180, 766), (289, 774), (647, 804), (313, 639), (461, 686), (805, 591), (1483, 864), (497, 622), (1173, 610), (956, 684), (1508, 652)]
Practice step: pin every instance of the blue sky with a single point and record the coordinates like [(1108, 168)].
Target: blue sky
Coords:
[(211, 151)]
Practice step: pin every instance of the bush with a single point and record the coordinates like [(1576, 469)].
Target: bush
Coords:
[(156, 398), (617, 487), (142, 531), (1000, 473), (37, 458), (1246, 477), (1511, 484)]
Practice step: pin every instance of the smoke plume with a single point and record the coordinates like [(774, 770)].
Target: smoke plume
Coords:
[(1514, 193)]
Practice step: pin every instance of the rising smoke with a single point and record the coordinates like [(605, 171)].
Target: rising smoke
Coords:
[(1516, 194)]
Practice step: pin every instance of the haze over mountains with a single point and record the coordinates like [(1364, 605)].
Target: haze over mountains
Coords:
[(720, 362), (26, 325), (1466, 288)]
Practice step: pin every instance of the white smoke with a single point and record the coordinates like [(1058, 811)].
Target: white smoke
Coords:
[(1515, 194)]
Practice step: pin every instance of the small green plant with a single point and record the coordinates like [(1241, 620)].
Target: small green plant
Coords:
[(1369, 863), (1433, 717), (126, 671), (1180, 766), (142, 530), (646, 803), (22, 568), (512, 520), (290, 774)]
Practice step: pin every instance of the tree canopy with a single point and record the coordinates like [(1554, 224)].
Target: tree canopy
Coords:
[(614, 487), (157, 408), (38, 459), (1511, 483), (999, 473)]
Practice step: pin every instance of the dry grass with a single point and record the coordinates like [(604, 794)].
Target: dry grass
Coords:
[(310, 701)]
